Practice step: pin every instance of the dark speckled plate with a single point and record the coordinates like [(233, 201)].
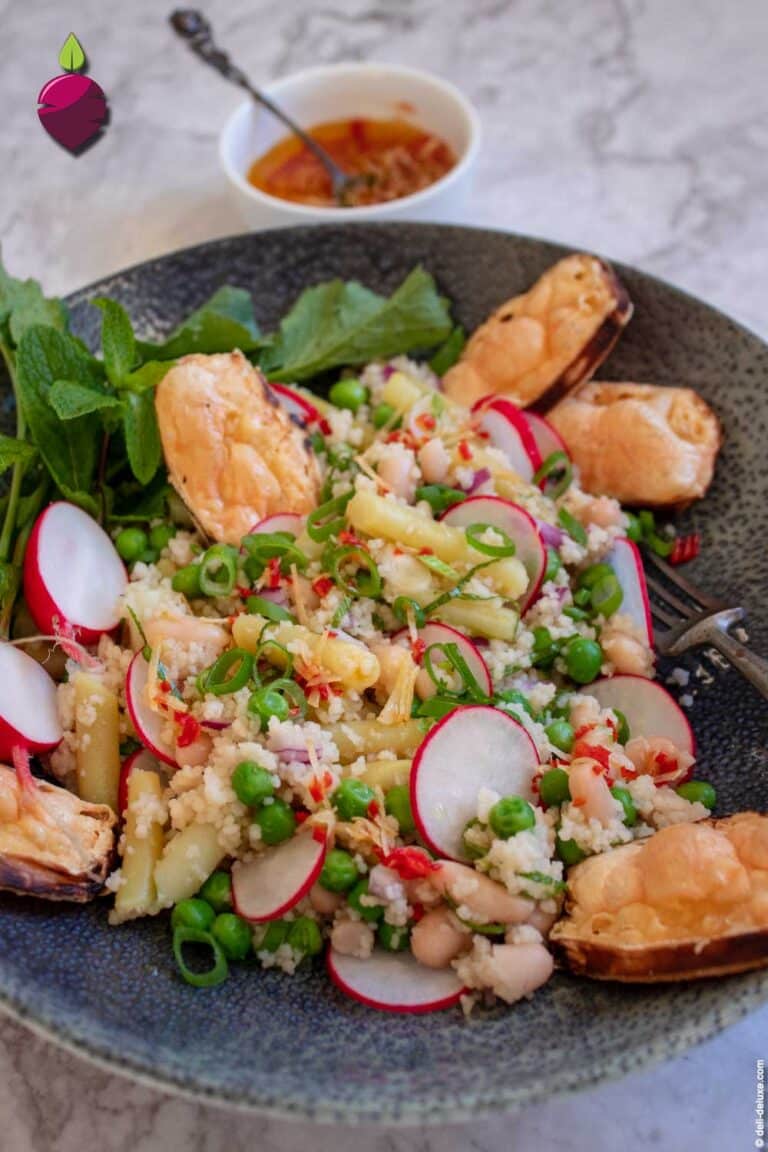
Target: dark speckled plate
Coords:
[(298, 1047)]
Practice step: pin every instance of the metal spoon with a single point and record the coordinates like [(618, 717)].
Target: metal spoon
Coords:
[(193, 27)]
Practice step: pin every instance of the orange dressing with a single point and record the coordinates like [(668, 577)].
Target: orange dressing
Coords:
[(398, 158)]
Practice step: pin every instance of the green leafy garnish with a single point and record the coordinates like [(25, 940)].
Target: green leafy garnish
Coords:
[(142, 435), (15, 452), (70, 399), (448, 353), (223, 322)]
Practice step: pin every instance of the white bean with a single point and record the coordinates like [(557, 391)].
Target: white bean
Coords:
[(323, 901), (352, 938), (438, 938), (516, 970), (542, 921), (487, 901)]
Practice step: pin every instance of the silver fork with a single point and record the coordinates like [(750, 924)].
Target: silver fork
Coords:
[(699, 620)]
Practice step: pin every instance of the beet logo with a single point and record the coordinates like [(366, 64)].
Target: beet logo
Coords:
[(72, 108)]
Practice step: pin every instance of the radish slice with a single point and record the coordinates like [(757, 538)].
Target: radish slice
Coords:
[(299, 407), (269, 886), (73, 576), (507, 429), (443, 634), (138, 759), (627, 563), (149, 725), (394, 982), (472, 748), (548, 439), (29, 718), (280, 522), (649, 708), (518, 525)]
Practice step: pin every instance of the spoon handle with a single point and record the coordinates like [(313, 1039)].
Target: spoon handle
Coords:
[(193, 27)]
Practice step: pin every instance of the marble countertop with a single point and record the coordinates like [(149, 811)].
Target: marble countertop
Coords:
[(638, 128)]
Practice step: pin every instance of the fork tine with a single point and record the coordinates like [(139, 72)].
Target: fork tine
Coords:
[(674, 577), (669, 600), (665, 617)]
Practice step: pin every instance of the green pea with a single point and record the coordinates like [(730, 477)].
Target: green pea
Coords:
[(193, 913), (370, 912), (514, 696), (544, 648), (233, 934), (339, 872), (160, 535), (511, 815), (583, 659), (252, 783), (150, 556), (560, 708), (276, 821), (217, 890), (187, 581), (397, 802), (265, 704), (582, 597), (592, 575), (554, 787), (352, 798), (634, 527), (131, 543), (568, 851), (560, 733), (392, 938), (622, 726), (348, 394), (275, 935), (698, 791), (304, 936), (624, 797), (382, 414), (472, 850), (553, 565)]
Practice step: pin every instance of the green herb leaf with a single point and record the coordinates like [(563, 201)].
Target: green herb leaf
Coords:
[(449, 352), (137, 506), (142, 436), (14, 451), (146, 377), (339, 324), (23, 304), (118, 343), (71, 57), (224, 322), (69, 449), (542, 878), (70, 400)]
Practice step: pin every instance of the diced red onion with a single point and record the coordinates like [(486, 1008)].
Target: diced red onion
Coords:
[(299, 755), (275, 596), (387, 371), (551, 536), (481, 476), (216, 725)]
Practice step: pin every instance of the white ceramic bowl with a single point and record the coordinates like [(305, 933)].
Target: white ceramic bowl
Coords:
[(340, 91)]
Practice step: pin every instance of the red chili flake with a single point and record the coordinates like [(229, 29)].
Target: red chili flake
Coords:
[(426, 552), (243, 592), (686, 548), (665, 763), (274, 579), (401, 436), (418, 912), (165, 686), (628, 773), (464, 450), (350, 538), (316, 790), (319, 835), (594, 752), (610, 723), (373, 809), (418, 648), (327, 779), (398, 551), (411, 863), (582, 731), (426, 422), (301, 815), (579, 803), (189, 731), (322, 586)]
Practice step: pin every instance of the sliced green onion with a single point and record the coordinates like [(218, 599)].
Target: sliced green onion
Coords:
[(571, 525), (218, 570), (606, 595), (270, 643), (473, 533), (440, 496), (451, 653), (555, 475), (403, 606), (286, 690), (265, 546), (341, 611), (258, 606), (229, 673), (574, 613), (542, 878), (439, 567), (658, 544), (365, 581), (328, 519), (212, 976)]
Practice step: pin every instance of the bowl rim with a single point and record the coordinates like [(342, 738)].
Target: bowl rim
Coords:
[(307, 213)]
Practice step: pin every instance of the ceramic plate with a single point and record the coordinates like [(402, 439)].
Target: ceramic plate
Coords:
[(298, 1047)]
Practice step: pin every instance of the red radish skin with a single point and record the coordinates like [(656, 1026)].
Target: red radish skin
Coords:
[(148, 724), (394, 982), (298, 406), (518, 524), (507, 429), (627, 563), (29, 719), (73, 576), (142, 759), (280, 522), (270, 885), (443, 634), (548, 439), (474, 747), (650, 710)]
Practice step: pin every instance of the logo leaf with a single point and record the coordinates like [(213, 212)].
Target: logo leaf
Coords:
[(72, 57)]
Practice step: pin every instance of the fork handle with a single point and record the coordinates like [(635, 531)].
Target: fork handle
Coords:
[(755, 668)]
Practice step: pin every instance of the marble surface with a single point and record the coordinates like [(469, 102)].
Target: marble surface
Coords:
[(635, 127)]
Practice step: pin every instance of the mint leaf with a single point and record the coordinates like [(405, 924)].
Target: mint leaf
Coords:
[(147, 376), (118, 343), (14, 452), (69, 450), (142, 436), (71, 57), (152, 505), (342, 324), (449, 352), (223, 322), (23, 304), (70, 400)]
